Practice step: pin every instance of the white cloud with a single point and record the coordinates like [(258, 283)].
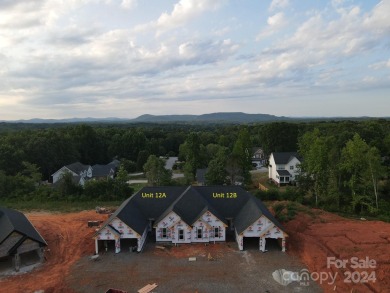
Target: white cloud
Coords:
[(49, 56), (183, 12), (378, 20), (278, 4), (129, 4), (380, 65), (274, 23)]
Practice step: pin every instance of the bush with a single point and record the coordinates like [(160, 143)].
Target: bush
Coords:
[(285, 212)]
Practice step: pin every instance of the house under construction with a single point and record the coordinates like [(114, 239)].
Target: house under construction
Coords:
[(194, 214)]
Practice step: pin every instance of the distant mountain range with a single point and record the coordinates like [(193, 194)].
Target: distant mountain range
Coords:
[(228, 117), (222, 117)]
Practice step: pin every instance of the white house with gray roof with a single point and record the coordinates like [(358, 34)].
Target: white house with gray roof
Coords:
[(82, 173), (283, 167)]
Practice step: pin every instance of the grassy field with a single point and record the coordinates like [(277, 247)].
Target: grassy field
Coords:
[(58, 206)]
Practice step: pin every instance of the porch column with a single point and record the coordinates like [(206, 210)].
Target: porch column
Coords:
[(17, 262), (262, 244), (117, 245), (240, 242), (41, 253), (96, 246), (284, 244)]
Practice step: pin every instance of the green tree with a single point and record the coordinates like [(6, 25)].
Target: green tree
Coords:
[(68, 187), (242, 150), (156, 173), (216, 172), (121, 188), (362, 165), (233, 168), (319, 166), (191, 151)]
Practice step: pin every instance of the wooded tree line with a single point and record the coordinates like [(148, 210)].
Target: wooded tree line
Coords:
[(346, 163)]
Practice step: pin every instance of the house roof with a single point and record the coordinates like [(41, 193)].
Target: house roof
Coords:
[(114, 163), (102, 170), (256, 149), (223, 198), (77, 167), (12, 220), (283, 173), (247, 216), (284, 158), (190, 203), (153, 207)]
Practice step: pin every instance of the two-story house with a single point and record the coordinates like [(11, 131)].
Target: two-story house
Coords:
[(283, 167)]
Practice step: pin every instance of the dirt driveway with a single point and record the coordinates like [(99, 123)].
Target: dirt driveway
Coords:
[(232, 271)]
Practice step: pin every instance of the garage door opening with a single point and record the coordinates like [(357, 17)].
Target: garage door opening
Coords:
[(251, 243), (106, 245), (129, 244), (29, 258), (6, 264), (272, 244)]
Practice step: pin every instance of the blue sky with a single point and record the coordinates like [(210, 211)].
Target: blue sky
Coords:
[(125, 58)]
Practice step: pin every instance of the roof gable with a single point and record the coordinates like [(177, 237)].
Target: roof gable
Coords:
[(77, 167), (227, 200), (12, 220), (190, 206), (102, 170), (284, 158), (154, 201)]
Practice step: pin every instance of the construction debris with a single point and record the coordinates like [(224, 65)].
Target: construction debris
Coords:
[(210, 258), (94, 257), (103, 210), (160, 247), (115, 291), (192, 259), (147, 288), (94, 223)]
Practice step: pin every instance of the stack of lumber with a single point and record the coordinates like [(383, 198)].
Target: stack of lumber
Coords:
[(147, 288)]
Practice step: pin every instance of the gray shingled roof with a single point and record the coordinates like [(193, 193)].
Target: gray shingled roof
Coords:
[(102, 170), (227, 207), (190, 206), (283, 173), (189, 203), (251, 212), (152, 208), (284, 158), (12, 220), (114, 163), (77, 167)]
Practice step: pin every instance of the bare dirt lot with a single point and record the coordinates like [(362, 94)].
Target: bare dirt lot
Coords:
[(171, 270), (350, 241), (312, 239), (68, 239)]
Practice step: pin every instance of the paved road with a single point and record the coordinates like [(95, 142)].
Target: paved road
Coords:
[(137, 181), (170, 162)]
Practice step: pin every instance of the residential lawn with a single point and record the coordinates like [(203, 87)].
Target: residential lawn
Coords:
[(137, 186)]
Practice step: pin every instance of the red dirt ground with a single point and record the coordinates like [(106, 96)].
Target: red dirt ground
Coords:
[(68, 238), (329, 235), (311, 239)]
